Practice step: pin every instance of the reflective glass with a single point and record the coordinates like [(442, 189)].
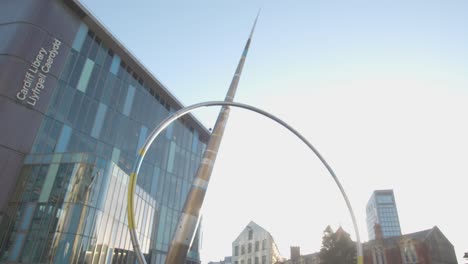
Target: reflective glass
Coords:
[(129, 100), (85, 75), (80, 37), (98, 122), (115, 64)]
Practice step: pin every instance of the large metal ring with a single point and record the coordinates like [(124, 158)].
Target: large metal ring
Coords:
[(176, 115)]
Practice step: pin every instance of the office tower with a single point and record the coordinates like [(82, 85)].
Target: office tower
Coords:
[(382, 215), (75, 106)]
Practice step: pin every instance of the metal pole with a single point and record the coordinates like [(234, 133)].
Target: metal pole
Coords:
[(188, 109)]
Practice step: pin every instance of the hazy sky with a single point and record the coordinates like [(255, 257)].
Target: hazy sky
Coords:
[(379, 87)]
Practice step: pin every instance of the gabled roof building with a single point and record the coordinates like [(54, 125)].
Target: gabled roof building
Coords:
[(255, 245), (423, 247)]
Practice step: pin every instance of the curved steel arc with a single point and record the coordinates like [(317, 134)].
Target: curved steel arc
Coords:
[(169, 120)]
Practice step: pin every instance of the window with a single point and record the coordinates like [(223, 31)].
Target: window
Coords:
[(256, 260), (236, 251), (257, 246), (250, 248), (378, 255), (242, 250), (409, 253), (249, 261), (250, 234), (263, 244), (263, 259)]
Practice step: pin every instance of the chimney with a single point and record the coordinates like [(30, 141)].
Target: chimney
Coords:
[(378, 232), (295, 253)]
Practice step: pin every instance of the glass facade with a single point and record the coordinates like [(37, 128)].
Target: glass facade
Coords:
[(381, 209), (69, 205)]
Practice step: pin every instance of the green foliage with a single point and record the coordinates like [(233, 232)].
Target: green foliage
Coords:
[(337, 247)]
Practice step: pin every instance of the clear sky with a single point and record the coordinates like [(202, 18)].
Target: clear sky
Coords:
[(379, 87)]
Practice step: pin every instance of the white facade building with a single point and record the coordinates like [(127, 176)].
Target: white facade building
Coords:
[(255, 245)]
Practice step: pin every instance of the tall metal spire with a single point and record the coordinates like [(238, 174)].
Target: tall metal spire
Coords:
[(188, 220)]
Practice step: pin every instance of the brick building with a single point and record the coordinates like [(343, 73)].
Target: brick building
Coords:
[(423, 247)]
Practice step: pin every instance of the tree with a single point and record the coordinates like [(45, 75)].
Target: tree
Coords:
[(337, 247)]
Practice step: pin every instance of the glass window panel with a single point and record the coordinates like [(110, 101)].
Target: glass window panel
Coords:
[(56, 98), (142, 137), (94, 48), (154, 183), (39, 182), (67, 69), (114, 96), (143, 216), (99, 120), (87, 43), (120, 94), (65, 248), (85, 75), (17, 245), (76, 73), (108, 202), (101, 55), (108, 89), (89, 121), (100, 85), (195, 142), (80, 256), (170, 165), (49, 182), (108, 60), (27, 216), (83, 112), (74, 108), (93, 79), (63, 139), (80, 37), (129, 100), (121, 70), (73, 219), (115, 64), (63, 106)]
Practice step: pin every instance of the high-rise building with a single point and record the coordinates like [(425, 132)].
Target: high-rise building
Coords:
[(382, 214), (75, 107), (255, 245)]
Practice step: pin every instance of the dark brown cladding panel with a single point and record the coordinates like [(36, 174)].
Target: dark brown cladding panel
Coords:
[(25, 41), (19, 126), (28, 29), (53, 16), (10, 164), (12, 78), (21, 40)]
